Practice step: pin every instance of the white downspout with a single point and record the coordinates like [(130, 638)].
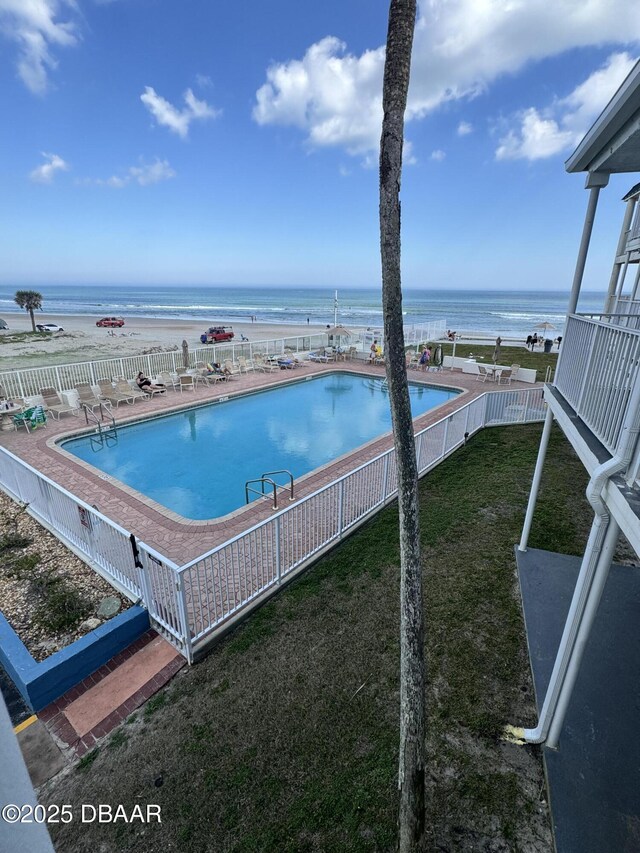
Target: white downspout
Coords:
[(586, 596)]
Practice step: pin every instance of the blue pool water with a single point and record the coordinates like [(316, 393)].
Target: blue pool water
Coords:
[(196, 462)]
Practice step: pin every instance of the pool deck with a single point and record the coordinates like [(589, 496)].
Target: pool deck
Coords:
[(184, 540)]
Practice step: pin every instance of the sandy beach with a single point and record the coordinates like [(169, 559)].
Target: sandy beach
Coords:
[(82, 340)]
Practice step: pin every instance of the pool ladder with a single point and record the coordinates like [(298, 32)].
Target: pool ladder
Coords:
[(103, 435), (266, 480)]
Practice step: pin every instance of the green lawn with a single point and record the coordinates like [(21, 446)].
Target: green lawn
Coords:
[(508, 355), (285, 737)]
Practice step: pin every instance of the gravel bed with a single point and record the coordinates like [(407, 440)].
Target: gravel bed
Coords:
[(18, 606)]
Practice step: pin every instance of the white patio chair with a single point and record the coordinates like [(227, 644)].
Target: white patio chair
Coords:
[(483, 373)]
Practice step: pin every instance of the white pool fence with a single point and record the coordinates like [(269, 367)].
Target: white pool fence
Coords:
[(191, 604)]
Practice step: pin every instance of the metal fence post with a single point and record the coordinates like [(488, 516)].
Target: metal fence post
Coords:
[(384, 477), (277, 546), (340, 508), (418, 444), (184, 622), (444, 437)]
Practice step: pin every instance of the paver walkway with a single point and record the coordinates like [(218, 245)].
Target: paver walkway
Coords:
[(93, 708)]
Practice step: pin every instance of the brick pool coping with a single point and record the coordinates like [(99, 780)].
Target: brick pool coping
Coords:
[(183, 540)]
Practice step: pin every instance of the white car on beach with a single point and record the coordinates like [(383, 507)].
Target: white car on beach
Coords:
[(49, 327)]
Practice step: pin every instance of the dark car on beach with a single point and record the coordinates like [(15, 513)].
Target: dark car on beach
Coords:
[(110, 322), (215, 334)]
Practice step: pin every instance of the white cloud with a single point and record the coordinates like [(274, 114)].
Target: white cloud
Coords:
[(460, 48), (438, 155), (177, 120), (204, 81), (464, 128), (34, 26), (331, 95), (152, 173), (561, 126), (143, 175), (45, 173)]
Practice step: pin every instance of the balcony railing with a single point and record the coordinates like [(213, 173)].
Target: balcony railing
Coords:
[(597, 371)]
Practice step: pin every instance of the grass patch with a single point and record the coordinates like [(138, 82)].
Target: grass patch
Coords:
[(19, 337), (60, 606), (118, 739), (87, 760), (285, 737), (154, 704), (508, 355)]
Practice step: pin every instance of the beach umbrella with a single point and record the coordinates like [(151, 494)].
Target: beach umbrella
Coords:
[(496, 353), (339, 332), (545, 325), (185, 353)]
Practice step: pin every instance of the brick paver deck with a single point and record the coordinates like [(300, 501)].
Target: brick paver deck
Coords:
[(182, 539)]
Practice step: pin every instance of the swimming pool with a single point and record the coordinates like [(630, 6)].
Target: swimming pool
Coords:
[(196, 462)]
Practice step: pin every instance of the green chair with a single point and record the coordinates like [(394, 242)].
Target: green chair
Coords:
[(31, 418)]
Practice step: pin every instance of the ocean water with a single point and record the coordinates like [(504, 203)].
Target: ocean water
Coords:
[(505, 313)]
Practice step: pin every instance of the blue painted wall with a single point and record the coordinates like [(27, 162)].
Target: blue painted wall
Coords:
[(41, 683)]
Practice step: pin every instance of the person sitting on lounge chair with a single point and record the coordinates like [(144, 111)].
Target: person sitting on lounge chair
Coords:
[(145, 384), (217, 368)]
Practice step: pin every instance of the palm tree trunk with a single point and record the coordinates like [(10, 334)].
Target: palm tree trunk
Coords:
[(411, 775), (33, 319)]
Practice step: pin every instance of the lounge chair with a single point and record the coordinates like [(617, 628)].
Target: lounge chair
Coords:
[(231, 368), (265, 366), (125, 387), (108, 392), (318, 356), (87, 397), (53, 403), (246, 364), (31, 418), (514, 371), (286, 363)]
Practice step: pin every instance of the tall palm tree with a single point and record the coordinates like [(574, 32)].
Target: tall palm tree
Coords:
[(31, 301), (411, 771)]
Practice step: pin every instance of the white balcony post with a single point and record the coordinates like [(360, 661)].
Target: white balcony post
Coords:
[(586, 620), (537, 478), (622, 243), (595, 181)]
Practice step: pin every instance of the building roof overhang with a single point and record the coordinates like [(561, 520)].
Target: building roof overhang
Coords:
[(613, 142)]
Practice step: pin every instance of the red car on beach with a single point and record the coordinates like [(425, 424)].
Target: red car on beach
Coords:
[(217, 333), (110, 322)]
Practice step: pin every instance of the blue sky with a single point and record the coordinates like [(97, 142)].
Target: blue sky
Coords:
[(158, 142)]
